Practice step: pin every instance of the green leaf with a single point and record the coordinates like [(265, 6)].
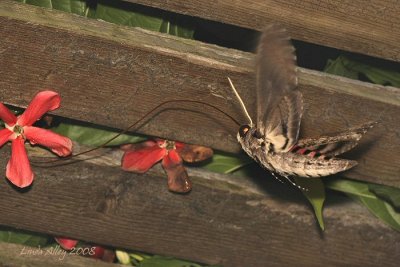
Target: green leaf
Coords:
[(338, 67), (71, 6), (158, 261), (387, 193), (315, 193), (227, 163), (343, 66), (24, 238), (140, 16), (94, 136), (123, 13), (178, 26), (360, 191)]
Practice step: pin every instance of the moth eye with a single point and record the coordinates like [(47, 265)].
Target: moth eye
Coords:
[(243, 130)]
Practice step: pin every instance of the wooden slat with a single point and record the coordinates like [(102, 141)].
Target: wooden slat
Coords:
[(14, 255), (113, 75), (370, 28), (227, 220)]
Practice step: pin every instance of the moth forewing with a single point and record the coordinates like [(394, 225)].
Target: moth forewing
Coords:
[(284, 125)]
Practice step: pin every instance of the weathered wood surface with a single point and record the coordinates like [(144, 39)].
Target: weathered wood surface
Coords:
[(227, 220), (370, 28), (112, 75), (14, 255)]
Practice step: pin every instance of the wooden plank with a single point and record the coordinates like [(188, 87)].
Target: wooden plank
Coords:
[(371, 28), (227, 220), (111, 75), (15, 255)]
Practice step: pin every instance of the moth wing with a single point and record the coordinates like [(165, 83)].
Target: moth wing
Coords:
[(283, 126), (279, 104), (336, 144)]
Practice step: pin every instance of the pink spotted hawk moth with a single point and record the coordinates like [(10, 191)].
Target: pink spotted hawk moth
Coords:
[(273, 141)]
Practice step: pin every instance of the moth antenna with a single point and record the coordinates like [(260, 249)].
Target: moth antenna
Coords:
[(241, 102)]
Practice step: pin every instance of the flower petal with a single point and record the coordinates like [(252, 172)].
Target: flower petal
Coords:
[(194, 153), (66, 243), (142, 159), (19, 170), (5, 135), (178, 179), (137, 146), (59, 144), (7, 116), (43, 102)]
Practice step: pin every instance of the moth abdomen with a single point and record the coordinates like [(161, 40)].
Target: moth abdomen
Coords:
[(304, 166)]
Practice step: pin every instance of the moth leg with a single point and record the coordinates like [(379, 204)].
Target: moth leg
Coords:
[(277, 178), (291, 181)]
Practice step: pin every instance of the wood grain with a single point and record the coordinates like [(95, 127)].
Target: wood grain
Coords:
[(371, 28), (14, 255), (112, 75), (226, 220)]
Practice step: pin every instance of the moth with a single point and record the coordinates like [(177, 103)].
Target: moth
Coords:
[(273, 141)]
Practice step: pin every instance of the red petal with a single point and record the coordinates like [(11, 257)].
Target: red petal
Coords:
[(43, 102), (178, 179), (194, 153), (179, 145), (7, 116), (66, 243), (142, 159), (98, 252), (59, 144), (4, 136), (18, 168), (136, 146)]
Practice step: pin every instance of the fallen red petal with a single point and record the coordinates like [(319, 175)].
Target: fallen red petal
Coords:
[(179, 145), (7, 116), (5, 135), (18, 169), (194, 153), (142, 159), (137, 146), (43, 102), (59, 144), (178, 179), (66, 243)]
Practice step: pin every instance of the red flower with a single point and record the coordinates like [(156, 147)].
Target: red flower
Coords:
[(19, 129), (66, 243), (95, 251), (142, 156)]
